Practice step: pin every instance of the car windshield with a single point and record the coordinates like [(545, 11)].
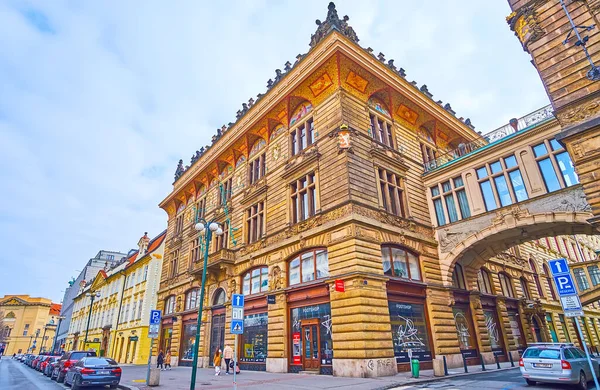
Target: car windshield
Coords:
[(98, 362), (542, 353)]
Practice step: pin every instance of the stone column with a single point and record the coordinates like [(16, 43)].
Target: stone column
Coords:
[(277, 334), (443, 326), (481, 332)]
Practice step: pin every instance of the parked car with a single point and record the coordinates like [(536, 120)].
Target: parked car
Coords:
[(93, 371), (30, 360), (66, 361), (556, 363), (50, 365), (42, 365)]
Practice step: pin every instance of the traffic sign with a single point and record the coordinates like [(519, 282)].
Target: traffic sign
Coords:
[(237, 300), (153, 331), (237, 326), (571, 305), (559, 266), (155, 317), (237, 313), (564, 284)]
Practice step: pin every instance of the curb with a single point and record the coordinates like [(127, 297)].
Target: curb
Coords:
[(439, 378), (127, 387)]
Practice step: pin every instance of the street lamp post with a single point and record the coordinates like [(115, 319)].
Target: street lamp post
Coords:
[(93, 295), (60, 318), (206, 228)]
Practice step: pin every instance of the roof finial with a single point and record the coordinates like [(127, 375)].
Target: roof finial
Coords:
[(332, 22)]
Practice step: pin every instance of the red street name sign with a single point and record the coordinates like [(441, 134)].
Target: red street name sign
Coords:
[(339, 286)]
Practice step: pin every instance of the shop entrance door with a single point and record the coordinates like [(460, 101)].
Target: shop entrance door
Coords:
[(217, 334), (311, 360)]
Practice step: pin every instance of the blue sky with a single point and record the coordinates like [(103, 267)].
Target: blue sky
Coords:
[(99, 99)]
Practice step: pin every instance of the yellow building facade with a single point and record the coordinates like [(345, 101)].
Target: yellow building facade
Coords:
[(122, 299), (28, 323)]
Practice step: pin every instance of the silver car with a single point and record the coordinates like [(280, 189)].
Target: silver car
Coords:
[(556, 363)]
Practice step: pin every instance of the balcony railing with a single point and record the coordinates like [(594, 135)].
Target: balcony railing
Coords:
[(514, 126)]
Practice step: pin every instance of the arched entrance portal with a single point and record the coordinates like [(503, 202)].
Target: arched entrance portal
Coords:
[(217, 333)]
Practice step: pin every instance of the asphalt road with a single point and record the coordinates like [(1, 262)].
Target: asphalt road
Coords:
[(504, 380)]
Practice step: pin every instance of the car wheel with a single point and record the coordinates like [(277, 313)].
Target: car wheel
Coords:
[(114, 386), (60, 378), (74, 385), (530, 382), (582, 381)]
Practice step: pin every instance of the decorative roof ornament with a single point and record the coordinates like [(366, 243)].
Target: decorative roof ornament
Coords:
[(425, 90), (332, 22), (288, 66), (391, 65), (179, 171), (448, 108)]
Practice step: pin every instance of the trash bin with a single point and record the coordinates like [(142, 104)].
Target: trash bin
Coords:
[(415, 368)]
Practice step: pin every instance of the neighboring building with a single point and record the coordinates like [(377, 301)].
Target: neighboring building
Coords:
[(103, 260), (29, 324), (357, 206), (122, 299)]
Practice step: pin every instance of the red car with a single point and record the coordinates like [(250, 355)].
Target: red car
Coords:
[(35, 361), (42, 365)]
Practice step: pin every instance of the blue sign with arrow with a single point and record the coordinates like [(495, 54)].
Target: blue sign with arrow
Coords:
[(237, 300), (559, 266)]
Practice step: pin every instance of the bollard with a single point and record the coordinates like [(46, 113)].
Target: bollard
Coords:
[(445, 365), (465, 363), (497, 361), (512, 364), (415, 368), (482, 362)]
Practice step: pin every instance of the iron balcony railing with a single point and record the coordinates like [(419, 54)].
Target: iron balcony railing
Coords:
[(515, 125)]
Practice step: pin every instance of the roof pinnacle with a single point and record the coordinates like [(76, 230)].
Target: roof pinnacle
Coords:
[(332, 22)]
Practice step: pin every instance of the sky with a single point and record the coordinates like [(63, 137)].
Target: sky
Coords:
[(100, 99)]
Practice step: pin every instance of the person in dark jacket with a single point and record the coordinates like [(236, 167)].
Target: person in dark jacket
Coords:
[(160, 360)]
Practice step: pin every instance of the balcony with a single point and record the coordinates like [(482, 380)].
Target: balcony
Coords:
[(501, 134), (217, 261)]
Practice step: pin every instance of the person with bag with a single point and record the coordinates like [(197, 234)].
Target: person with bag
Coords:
[(168, 361), (217, 362), (228, 356)]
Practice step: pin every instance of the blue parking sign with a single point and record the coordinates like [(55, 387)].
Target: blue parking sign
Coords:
[(564, 285), (559, 266), (155, 317)]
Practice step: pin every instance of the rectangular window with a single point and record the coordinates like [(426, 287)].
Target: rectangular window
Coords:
[(255, 339), (581, 279), (179, 224), (550, 154), (302, 137), (453, 192), (304, 198), (221, 241), (502, 188), (381, 130), (567, 169), (516, 180), (26, 329), (174, 263), (256, 168), (488, 195), (463, 203), (225, 190), (594, 272), (548, 174), (439, 212), (563, 324), (255, 219), (451, 207), (409, 332), (195, 255), (200, 208), (390, 186)]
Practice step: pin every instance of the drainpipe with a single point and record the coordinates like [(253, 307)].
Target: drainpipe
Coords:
[(119, 311)]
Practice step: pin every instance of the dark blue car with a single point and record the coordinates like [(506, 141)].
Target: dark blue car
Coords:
[(93, 371)]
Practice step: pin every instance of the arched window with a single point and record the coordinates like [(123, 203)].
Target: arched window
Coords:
[(192, 299), (170, 305), (399, 262), (483, 282), (309, 265), (257, 161), (225, 189), (536, 278), (549, 281), (302, 133), (381, 126), (277, 131), (255, 281), (219, 298), (506, 285), (458, 277), (525, 287)]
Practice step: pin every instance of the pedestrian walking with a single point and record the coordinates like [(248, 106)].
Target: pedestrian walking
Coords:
[(160, 359), (217, 362), (168, 360), (228, 356)]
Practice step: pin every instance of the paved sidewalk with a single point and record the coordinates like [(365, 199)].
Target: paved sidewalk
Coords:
[(134, 377)]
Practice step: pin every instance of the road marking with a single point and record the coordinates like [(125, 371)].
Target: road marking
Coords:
[(139, 380)]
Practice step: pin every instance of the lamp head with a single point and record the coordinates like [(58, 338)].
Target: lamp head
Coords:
[(199, 227), (219, 232), (213, 226)]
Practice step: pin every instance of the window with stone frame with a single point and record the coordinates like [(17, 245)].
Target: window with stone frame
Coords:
[(450, 202), (525, 287), (555, 165), (170, 305), (222, 241), (549, 281), (195, 254), (303, 194), (225, 190), (536, 278), (400, 262), (174, 264), (581, 279), (506, 285), (255, 222), (200, 208), (257, 165), (179, 223), (458, 277), (302, 135), (381, 127), (484, 284), (428, 152), (255, 281), (308, 266), (501, 183), (391, 192), (192, 299)]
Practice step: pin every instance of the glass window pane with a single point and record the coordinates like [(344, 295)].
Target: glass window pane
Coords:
[(510, 162), (295, 271), (518, 186), (503, 192), (308, 267), (452, 214), (555, 145), (458, 182), (566, 168), (549, 175), (322, 264), (482, 173), (496, 167), (439, 212), (399, 261), (540, 150), (446, 186), (387, 261), (413, 263), (435, 191), (463, 203), (488, 195)]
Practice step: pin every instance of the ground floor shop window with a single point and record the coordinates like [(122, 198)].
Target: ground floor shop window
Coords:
[(188, 341), (464, 331), (493, 329), (312, 344), (409, 332), (254, 339)]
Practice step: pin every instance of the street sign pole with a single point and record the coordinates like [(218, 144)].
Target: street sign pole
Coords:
[(587, 353), (149, 361), (153, 331), (237, 328), (235, 342)]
